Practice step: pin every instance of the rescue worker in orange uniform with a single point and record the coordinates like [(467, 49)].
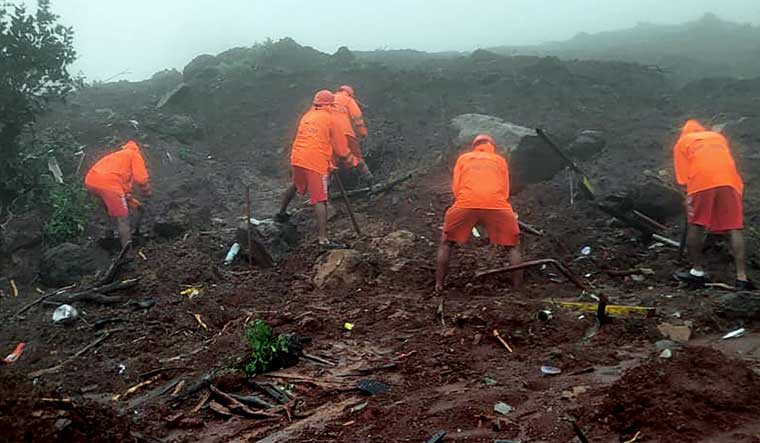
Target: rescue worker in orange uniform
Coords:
[(481, 193), (314, 147), (704, 164), (111, 179), (351, 123)]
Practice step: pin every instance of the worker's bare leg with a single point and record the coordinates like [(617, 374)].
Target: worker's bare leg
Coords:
[(287, 197), (695, 242), (442, 262), (515, 258), (740, 254), (125, 235), (320, 210)]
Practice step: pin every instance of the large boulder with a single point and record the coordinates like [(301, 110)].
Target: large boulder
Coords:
[(68, 263), (343, 268), (507, 135), (531, 160), (21, 232), (278, 239)]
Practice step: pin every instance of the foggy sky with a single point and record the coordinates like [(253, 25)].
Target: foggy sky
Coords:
[(145, 36)]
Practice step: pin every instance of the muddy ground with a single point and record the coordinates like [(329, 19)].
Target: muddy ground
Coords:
[(437, 353)]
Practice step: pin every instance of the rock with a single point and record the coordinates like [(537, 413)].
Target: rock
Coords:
[(21, 232), (743, 306), (341, 268), (662, 345), (175, 96), (587, 144), (277, 238), (182, 127), (506, 135), (66, 264), (681, 333), (656, 200), (395, 244)]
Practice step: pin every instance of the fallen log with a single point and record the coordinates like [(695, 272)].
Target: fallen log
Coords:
[(236, 406), (529, 264), (42, 299)]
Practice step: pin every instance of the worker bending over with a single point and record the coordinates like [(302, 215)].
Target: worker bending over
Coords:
[(481, 193), (704, 164), (351, 123), (111, 179), (311, 157)]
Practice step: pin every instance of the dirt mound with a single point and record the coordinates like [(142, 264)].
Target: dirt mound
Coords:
[(697, 393), (28, 414)]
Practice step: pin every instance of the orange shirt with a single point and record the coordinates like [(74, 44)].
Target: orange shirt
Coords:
[(481, 179), (346, 105), (703, 160), (118, 170), (315, 141)]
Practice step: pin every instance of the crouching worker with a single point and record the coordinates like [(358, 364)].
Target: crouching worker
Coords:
[(704, 164), (111, 180), (481, 193), (351, 123), (313, 149)]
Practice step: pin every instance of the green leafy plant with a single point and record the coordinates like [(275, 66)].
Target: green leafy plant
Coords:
[(267, 351), (35, 53), (71, 209)]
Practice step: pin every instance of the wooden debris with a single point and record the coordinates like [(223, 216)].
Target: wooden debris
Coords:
[(204, 398), (239, 408), (114, 267), (134, 388), (318, 359), (178, 388), (219, 409), (503, 342), (200, 321), (57, 367), (14, 288), (43, 298)]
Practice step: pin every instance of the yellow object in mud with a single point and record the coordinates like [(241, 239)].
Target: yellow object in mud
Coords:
[(348, 326), (611, 309)]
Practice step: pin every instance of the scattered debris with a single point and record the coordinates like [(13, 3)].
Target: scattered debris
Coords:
[(544, 315), (680, 333), (135, 388), (573, 393), (533, 263), (372, 387), (617, 310), (438, 437), (192, 291), (55, 368), (502, 341), (16, 354), (666, 353), (348, 326), (200, 322), (65, 314), (232, 253), (503, 408), (634, 438), (735, 334), (358, 408), (550, 370), (586, 251), (14, 288)]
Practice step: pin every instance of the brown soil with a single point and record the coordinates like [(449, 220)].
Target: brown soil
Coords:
[(437, 352)]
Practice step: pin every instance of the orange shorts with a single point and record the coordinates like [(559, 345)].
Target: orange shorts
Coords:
[(312, 182), (115, 202), (718, 210), (501, 225)]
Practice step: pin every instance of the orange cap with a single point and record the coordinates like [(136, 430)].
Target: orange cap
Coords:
[(482, 138), (348, 89), (324, 97)]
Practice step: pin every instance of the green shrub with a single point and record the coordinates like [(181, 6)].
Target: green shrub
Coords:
[(71, 209), (267, 351)]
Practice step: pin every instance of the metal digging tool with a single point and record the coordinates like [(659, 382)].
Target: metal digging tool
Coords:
[(348, 205), (587, 188)]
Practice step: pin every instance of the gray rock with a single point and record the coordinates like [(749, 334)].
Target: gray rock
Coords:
[(66, 264), (21, 233), (506, 135), (743, 306)]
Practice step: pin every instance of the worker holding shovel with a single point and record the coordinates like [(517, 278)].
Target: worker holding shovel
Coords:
[(481, 193), (351, 123), (311, 160), (111, 179), (704, 164)]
